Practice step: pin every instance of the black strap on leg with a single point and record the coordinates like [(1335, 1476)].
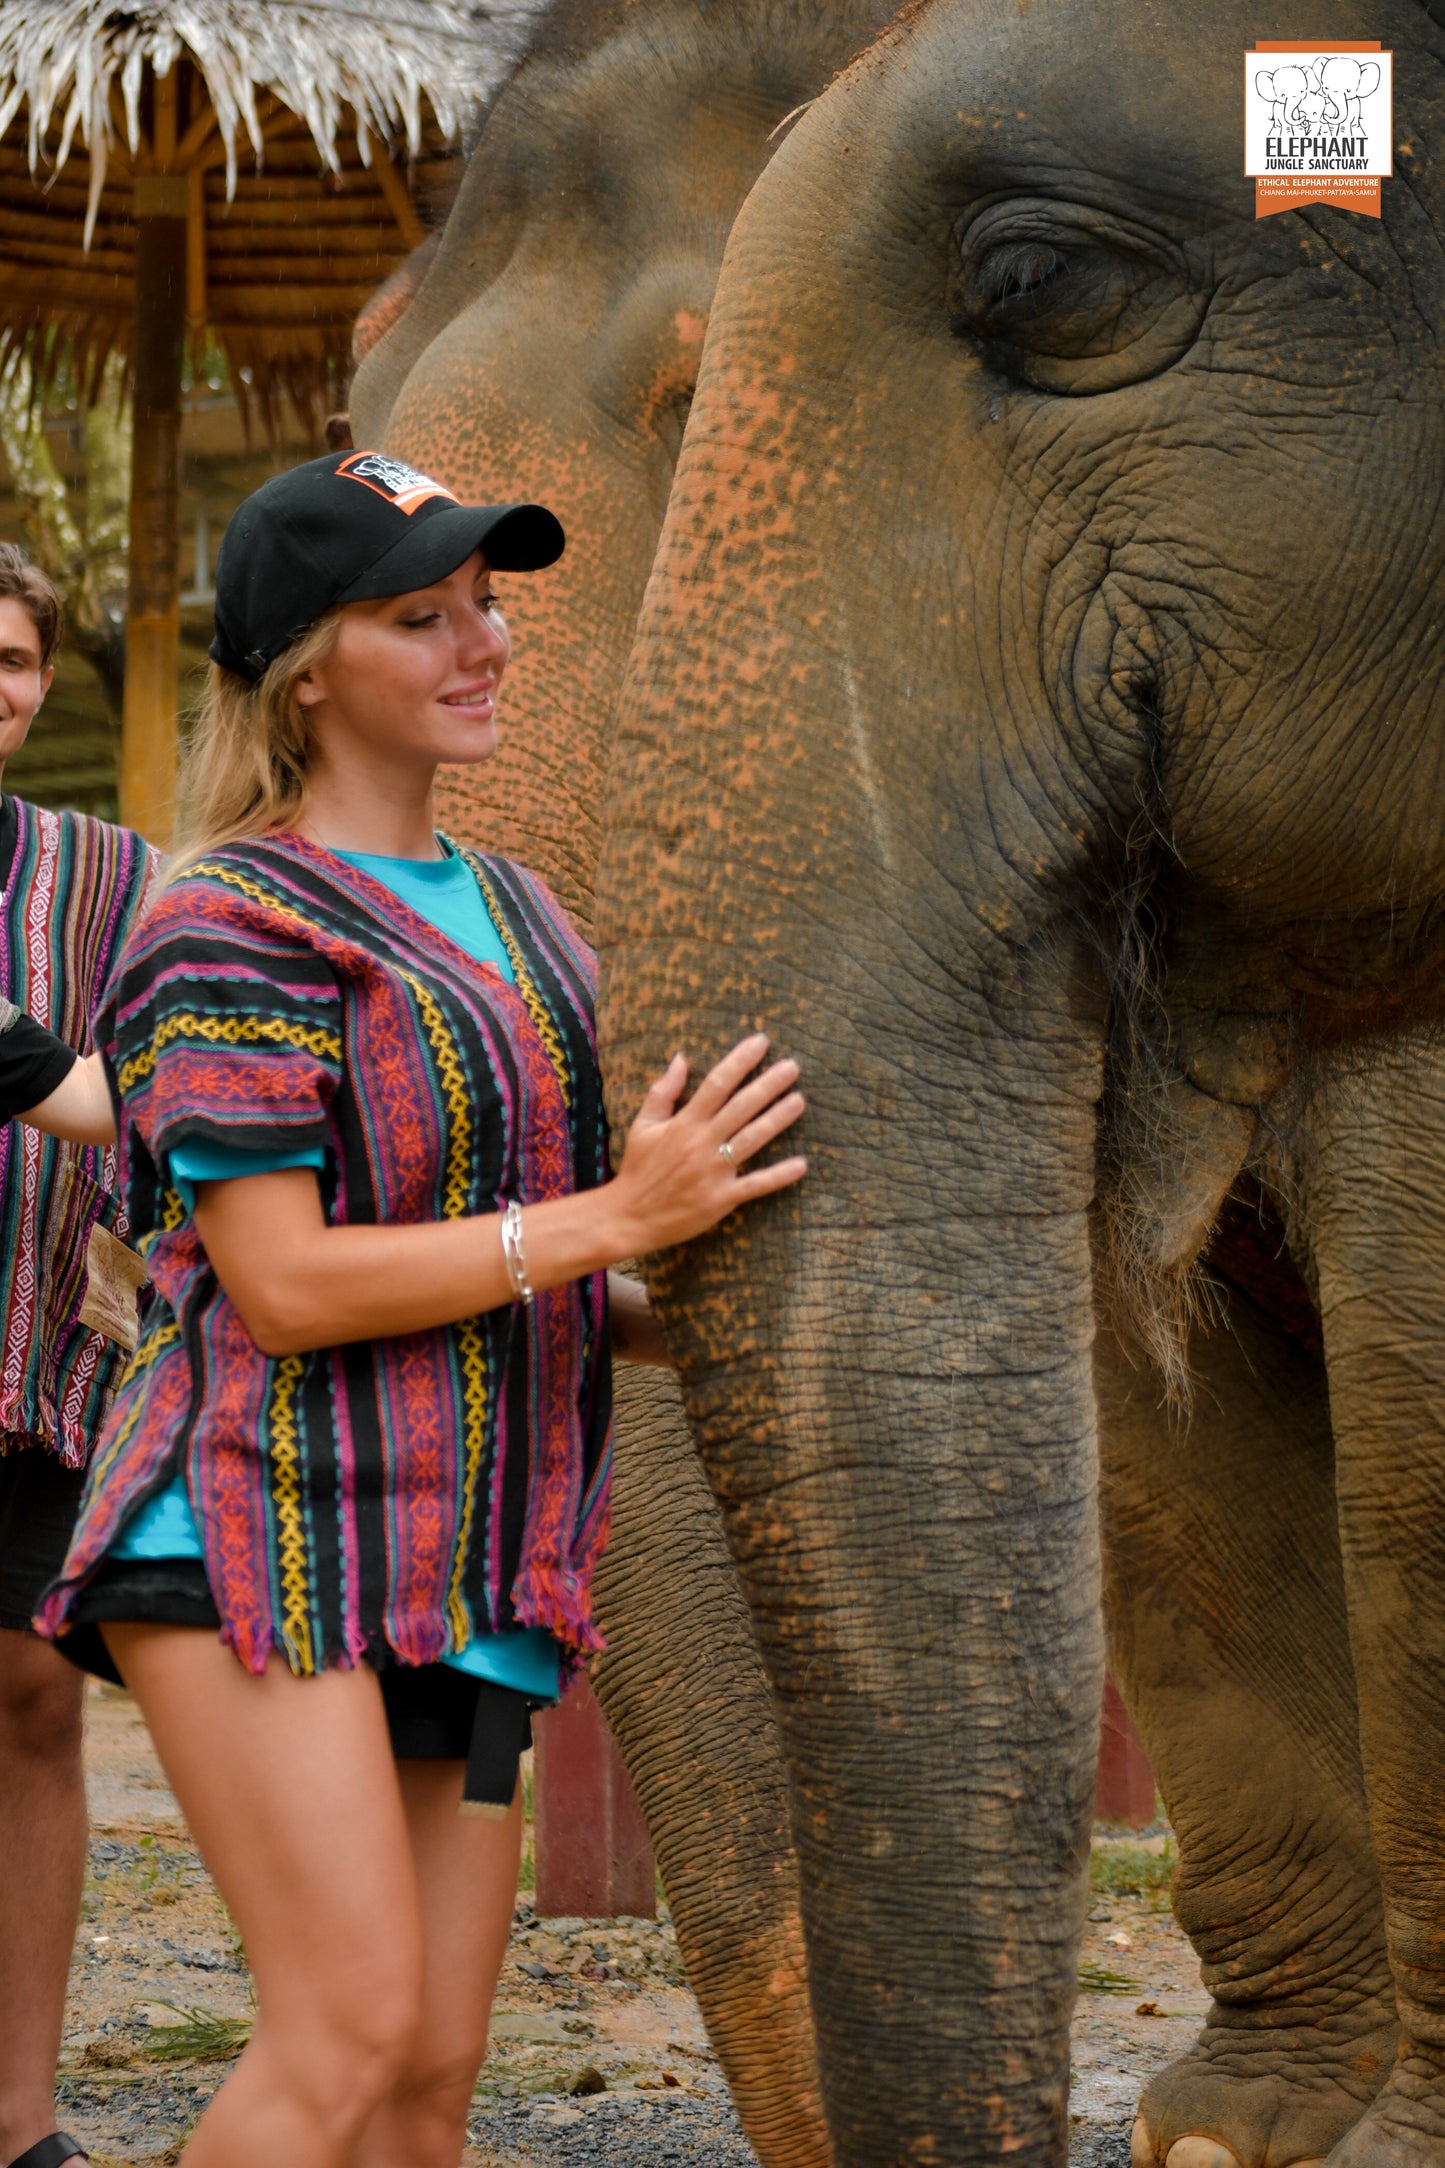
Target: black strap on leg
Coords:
[(501, 1734), (51, 2152)]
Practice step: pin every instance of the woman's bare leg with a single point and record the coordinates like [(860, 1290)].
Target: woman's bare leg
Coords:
[(291, 1794), (466, 1871)]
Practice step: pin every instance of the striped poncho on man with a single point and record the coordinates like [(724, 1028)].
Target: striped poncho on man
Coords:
[(72, 888), (403, 1494)]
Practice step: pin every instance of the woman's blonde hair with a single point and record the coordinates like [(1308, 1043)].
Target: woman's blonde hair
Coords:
[(245, 772)]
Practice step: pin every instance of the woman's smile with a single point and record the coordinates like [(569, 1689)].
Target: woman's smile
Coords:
[(477, 701)]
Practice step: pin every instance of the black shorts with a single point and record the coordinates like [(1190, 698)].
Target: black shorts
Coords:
[(433, 1711), (39, 1501)]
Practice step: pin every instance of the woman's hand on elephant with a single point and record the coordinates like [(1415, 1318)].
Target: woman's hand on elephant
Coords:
[(676, 1179)]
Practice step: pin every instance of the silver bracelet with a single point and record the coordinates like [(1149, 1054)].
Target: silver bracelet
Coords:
[(514, 1255)]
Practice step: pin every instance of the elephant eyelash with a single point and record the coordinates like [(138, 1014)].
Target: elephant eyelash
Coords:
[(1025, 268)]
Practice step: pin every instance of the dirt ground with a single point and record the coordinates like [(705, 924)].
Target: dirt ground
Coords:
[(598, 2053)]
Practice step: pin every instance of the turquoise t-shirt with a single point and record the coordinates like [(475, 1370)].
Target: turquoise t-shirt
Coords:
[(445, 892)]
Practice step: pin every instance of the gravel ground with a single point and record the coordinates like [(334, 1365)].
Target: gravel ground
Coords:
[(690, 2134), (600, 2004), (1107, 2152), (681, 2131)]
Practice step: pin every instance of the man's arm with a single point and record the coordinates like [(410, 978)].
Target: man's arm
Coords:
[(46, 1082), (78, 1108)]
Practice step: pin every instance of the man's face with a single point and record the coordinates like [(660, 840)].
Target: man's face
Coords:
[(23, 683)]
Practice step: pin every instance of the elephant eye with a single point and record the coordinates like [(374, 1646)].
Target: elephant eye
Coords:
[(1060, 298), (1023, 286), (1022, 271)]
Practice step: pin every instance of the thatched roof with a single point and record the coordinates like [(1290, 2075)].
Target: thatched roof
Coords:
[(317, 137)]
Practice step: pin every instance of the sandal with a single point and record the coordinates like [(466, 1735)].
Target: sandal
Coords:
[(51, 2152)]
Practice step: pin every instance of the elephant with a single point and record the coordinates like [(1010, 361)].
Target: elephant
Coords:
[(992, 740), (545, 344)]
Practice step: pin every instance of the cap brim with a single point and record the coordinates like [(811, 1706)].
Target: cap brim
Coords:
[(512, 537)]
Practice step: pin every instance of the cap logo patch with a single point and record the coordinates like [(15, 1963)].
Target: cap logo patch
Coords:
[(393, 479)]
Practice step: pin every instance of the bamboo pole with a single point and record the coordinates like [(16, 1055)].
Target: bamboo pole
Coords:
[(196, 251), (398, 199), (153, 623)]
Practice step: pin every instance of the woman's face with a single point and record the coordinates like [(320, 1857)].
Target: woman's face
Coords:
[(413, 679)]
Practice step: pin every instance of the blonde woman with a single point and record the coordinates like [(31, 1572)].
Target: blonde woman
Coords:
[(365, 1432)]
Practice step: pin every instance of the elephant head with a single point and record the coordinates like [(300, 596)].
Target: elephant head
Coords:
[(1286, 90), (550, 345), (1344, 81), (996, 739)]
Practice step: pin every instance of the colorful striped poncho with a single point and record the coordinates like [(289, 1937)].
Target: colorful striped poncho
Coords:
[(403, 1494), (72, 889)]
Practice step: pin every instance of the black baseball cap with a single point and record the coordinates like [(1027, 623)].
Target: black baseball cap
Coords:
[(353, 527)]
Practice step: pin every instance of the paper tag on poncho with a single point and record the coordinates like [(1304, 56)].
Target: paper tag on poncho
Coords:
[(116, 1276)]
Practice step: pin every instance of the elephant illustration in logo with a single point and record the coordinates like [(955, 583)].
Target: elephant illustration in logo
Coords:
[(1286, 90), (1327, 95), (1345, 81)]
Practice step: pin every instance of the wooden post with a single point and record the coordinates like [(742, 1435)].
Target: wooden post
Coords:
[(593, 1857), (1126, 1790), (398, 198), (153, 622)]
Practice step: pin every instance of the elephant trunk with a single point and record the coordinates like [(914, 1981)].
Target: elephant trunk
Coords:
[(825, 819), (888, 1373), (685, 1694), (1367, 1183), (908, 1472)]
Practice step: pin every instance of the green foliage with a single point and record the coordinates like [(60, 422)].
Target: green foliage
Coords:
[(155, 1877), (1099, 1980), (80, 539), (527, 1865), (202, 2036), (1131, 1870)]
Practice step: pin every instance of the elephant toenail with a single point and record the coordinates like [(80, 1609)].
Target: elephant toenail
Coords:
[(1141, 2145), (1200, 2153)]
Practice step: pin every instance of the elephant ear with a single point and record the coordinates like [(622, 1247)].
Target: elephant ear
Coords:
[(1264, 84), (1369, 78)]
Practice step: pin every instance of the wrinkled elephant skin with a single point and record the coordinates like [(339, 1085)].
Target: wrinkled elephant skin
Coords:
[(997, 740)]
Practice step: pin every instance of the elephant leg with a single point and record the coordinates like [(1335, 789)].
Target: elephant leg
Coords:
[(1370, 1185), (683, 1688), (1228, 1636)]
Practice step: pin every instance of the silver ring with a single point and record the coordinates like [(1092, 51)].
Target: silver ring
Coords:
[(725, 1151)]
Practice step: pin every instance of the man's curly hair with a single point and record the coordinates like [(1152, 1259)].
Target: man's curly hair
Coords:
[(25, 583)]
